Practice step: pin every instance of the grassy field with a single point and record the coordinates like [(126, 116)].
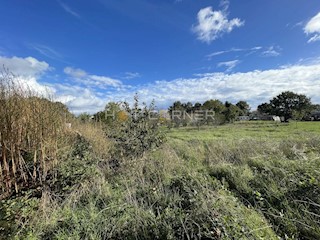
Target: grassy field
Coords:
[(247, 130), (248, 180), (271, 167)]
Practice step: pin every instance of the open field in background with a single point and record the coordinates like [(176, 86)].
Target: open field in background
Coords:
[(247, 129)]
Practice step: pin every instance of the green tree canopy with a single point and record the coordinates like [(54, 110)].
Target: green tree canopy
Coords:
[(244, 107), (231, 111), (287, 104), (216, 105)]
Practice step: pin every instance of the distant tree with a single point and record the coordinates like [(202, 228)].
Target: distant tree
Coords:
[(99, 116), (176, 106), (316, 107), (265, 108), (109, 115), (244, 107), (288, 105), (176, 112), (188, 107), (231, 112), (197, 106), (84, 117), (216, 105)]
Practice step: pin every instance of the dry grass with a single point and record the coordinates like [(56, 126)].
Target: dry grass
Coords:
[(95, 135), (31, 130)]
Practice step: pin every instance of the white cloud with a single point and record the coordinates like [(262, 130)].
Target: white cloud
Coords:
[(79, 99), (314, 38), (26, 71), (83, 77), (254, 86), (229, 64), (69, 10), (249, 50), (131, 75), (213, 24), (272, 51), (75, 72), (313, 28), (224, 4), (28, 66)]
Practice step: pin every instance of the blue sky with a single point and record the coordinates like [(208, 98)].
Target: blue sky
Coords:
[(87, 53)]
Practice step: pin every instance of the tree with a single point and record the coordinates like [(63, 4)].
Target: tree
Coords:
[(244, 107), (287, 104), (265, 108), (197, 106), (216, 105), (177, 106), (188, 107), (231, 111)]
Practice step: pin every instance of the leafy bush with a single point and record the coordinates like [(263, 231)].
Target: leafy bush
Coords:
[(138, 134), (77, 166)]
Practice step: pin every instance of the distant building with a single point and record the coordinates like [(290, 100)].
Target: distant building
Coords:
[(315, 116), (265, 117), (244, 118)]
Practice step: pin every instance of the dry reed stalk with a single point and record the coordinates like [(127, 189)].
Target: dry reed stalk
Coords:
[(31, 129)]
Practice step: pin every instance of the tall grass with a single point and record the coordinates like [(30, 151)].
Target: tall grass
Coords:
[(31, 130)]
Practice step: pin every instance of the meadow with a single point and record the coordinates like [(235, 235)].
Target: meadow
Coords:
[(246, 180), (246, 129)]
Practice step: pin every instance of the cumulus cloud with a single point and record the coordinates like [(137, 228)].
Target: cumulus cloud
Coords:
[(254, 86), (28, 66), (27, 71), (79, 99), (83, 77), (213, 24), (313, 28)]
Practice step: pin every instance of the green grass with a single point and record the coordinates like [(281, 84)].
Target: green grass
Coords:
[(247, 130), (273, 168)]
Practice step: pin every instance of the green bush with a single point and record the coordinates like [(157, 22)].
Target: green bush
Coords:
[(137, 134)]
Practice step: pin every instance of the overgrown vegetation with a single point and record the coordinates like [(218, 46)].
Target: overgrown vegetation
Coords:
[(32, 131)]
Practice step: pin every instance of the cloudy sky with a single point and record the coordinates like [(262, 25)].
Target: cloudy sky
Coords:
[(87, 53)]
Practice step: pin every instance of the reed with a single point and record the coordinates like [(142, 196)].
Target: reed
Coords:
[(31, 130)]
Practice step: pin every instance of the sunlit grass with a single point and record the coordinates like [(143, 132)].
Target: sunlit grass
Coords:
[(243, 130)]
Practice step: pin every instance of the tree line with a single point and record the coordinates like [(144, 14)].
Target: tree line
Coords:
[(287, 105)]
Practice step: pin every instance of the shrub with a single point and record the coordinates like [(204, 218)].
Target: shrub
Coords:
[(138, 133)]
